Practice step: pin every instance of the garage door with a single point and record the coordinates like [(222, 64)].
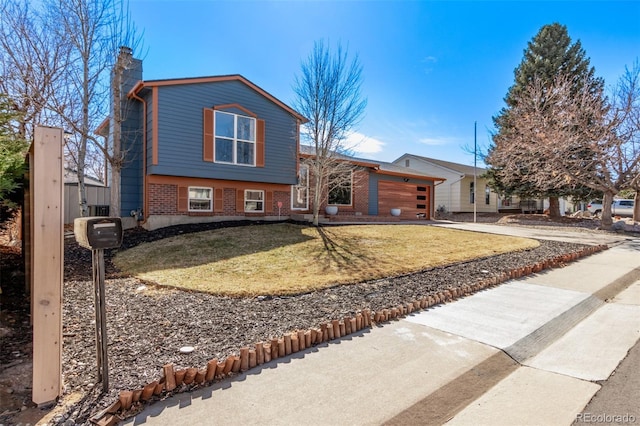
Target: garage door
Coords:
[(412, 199)]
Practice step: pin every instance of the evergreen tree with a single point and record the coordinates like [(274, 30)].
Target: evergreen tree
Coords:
[(517, 166), (12, 156)]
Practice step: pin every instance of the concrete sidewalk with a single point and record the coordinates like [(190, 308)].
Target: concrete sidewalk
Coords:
[(530, 351)]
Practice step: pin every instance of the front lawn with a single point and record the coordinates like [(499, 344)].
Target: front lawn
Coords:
[(285, 259)]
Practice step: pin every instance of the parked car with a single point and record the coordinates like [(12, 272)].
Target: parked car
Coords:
[(618, 207), (622, 207), (595, 207)]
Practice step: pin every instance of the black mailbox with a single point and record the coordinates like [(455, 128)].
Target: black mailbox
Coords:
[(98, 232)]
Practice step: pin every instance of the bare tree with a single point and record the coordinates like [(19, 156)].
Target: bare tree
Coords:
[(328, 93), (32, 60), (549, 54), (82, 106), (626, 107), (580, 139), (56, 67)]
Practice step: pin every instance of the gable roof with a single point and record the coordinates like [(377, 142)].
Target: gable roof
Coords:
[(380, 167), (456, 167), (213, 79), (71, 177)]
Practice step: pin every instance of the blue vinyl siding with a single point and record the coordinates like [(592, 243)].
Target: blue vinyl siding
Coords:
[(180, 133), (131, 172)]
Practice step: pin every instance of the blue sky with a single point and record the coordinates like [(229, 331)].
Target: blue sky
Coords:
[(430, 68)]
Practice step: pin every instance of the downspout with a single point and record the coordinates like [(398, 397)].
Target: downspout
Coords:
[(135, 96)]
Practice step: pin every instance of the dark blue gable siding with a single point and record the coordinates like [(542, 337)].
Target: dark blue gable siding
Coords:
[(180, 133), (131, 172)]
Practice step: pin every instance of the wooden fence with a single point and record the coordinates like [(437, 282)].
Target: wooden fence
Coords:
[(96, 196)]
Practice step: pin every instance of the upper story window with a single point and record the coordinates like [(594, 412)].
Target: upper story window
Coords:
[(235, 139), (200, 199)]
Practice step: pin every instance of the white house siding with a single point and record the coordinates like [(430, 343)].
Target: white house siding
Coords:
[(481, 206), (453, 193)]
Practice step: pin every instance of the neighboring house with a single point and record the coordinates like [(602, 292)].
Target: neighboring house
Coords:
[(222, 148), (456, 194), (96, 192)]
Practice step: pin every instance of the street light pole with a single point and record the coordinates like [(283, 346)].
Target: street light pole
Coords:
[(475, 172)]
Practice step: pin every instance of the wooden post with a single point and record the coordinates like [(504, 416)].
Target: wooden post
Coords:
[(212, 366), (287, 344), (260, 353), (347, 326), (179, 377), (244, 358), (200, 376), (267, 352), (97, 257), (126, 398), (148, 390), (46, 246), (228, 365), (336, 329), (170, 377), (253, 361)]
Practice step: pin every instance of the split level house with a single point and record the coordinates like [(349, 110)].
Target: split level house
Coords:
[(222, 148)]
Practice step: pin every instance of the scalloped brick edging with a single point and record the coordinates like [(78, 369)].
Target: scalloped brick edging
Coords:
[(177, 381)]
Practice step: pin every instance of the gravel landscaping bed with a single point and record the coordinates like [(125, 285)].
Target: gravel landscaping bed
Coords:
[(147, 324)]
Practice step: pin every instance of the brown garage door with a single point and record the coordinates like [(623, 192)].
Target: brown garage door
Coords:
[(409, 197)]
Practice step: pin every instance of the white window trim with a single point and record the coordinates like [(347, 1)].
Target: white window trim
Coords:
[(293, 187), (189, 199), (262, 200), (235, 140), (350, 194)]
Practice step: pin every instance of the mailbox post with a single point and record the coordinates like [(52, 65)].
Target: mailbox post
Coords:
[(97, 234)]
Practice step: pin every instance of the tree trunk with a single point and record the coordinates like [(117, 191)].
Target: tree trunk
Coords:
[(605, 218), (82, 190), (317, 193), (114, 192), (316, 207), (554, 207)]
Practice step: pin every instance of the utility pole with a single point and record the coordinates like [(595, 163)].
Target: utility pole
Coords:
[(475, 170)]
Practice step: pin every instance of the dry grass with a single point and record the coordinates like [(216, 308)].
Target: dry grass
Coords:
[(290, 259)]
